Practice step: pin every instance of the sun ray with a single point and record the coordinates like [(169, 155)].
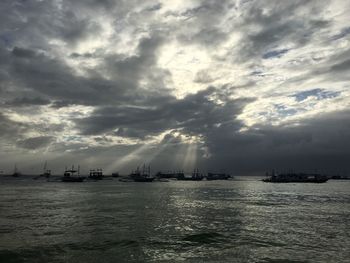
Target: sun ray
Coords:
[(122, 162), (190, 157)]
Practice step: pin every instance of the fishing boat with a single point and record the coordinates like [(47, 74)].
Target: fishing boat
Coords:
[(46, 172), (296, 178), (96, 174), (72, 175), (115, 174), (142, 176), (168, 175), (126, 179), (339, 177), (16, 172), (218, 176), (195, 176)]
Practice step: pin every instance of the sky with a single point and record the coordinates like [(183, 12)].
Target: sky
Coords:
[(241, 86)]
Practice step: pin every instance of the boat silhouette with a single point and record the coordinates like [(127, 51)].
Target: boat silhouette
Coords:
[(218, 176), (96, 174), (296, 178), (16, 172), (46, 172), (142, 176), (72, 175), (195, 176), (168, 174)]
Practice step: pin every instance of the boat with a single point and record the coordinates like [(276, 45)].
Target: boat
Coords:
[(142, 176), (339, 177), (126, 179), (218, 176), (195, 176), (16, 172), (296, 178), (115, 174), (72, 175), (46, 172), (96, 174), (168, 175)]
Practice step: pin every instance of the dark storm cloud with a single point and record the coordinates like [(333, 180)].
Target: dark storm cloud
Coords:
[(93, 4), (13, 133), (29, 61), (35, 142), (130, 70), (51, 77), (36, 22), (22, 52), (321, 142), (193, 115), (332, 68), (9, 128), (341, 66), (154, 7), (62, 103), (335, 68), (203, 23), (279, 23), (26, 101)]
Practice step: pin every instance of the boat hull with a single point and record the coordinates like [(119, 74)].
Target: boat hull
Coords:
[(217, 178), (144, 179), (317, 181), (189, 179), (72, 179)]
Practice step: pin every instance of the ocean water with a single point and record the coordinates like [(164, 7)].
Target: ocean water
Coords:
[(209, 221)]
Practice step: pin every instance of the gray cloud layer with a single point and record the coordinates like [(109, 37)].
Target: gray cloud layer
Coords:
[(86, 81)]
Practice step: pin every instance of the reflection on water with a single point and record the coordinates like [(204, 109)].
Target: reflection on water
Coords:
[(232, 221)]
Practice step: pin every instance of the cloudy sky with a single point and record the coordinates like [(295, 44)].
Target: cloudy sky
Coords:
[(240, 86)]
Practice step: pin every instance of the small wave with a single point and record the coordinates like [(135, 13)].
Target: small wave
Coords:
[(280, 260), (30, 255), (6, 230), (9, 256), (42, 253), (103, 246), (204, 238), (260, 242), (53, 233)]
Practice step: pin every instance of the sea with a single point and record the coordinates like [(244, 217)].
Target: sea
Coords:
[(241, 220)]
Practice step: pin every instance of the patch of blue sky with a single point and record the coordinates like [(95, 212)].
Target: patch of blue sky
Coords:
[(257, 73), (275, 53), (72, 138), (319, 94), (345, 31), (285, 111), (6, 39)]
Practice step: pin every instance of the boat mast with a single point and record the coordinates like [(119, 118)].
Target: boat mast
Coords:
[(45, 166)]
